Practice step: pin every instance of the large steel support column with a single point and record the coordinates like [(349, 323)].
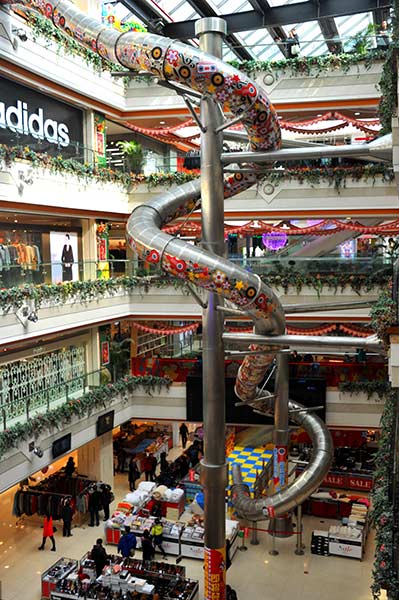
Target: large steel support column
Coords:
[(213, 467)]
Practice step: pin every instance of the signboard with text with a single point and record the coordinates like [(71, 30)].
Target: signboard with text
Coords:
[(29, 118)]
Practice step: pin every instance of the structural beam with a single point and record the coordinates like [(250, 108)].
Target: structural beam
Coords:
[(261, 6), (282, 15), (205, 10), (330, 33)]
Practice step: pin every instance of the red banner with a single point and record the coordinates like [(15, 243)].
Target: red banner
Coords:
[(346, 481), (215, 574)]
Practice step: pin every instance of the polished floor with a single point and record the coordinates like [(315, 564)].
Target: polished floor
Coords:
[(254, 573)]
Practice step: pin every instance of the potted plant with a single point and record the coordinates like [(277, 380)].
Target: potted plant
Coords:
[(133, 153)]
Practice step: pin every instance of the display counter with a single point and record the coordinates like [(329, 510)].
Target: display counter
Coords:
[(179, 538), (347, 539), (56, 573), (125, 579), (323, 504)]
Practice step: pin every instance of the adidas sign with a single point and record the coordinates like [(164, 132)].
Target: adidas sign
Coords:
[(17, 119)]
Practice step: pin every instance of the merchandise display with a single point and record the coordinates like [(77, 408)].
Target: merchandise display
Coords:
[(125, 579), (180, 538), (56, 573), (332, 505), (51, 493), (347, 539)]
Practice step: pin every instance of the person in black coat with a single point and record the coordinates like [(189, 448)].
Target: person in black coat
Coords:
[(146, 546), (99, 556), (94, 506), (134, 474), (106, 499), (183, 430), (67, 514), (67, 259)]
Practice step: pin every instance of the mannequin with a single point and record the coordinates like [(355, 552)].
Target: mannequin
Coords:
[(67, 259)]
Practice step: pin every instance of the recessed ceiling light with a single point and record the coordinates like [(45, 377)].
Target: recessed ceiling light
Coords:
[(357, 114), (15, 220), (162, 122), (319, 115)]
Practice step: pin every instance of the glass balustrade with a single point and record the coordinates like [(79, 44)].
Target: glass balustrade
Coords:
[(15, 275)]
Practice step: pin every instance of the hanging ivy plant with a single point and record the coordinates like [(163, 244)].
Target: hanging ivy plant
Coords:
[(385, 573), (383, 314), (312, 65), (370, 388), (334, 176)]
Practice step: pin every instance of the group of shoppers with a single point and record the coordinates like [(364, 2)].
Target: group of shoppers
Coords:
[(127, 546)]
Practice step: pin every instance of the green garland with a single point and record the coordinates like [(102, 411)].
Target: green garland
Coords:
[(385, 575), (57, 418), (44, 28), (371, 388), (336, 176), (86, 291), (289, 277), (311, 65), (383, 314)]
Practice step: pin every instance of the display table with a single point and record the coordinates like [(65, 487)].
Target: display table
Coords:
[(179, 538), (56, 573), (347, 540), (125, 578)]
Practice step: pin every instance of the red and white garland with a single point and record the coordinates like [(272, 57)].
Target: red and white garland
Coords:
[(166, 330), (193, 229)]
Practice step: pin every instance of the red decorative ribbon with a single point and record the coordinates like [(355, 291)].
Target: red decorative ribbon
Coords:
[(193, 228), (166, 331)]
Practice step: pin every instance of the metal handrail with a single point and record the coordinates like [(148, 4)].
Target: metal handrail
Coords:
[(46, 391)]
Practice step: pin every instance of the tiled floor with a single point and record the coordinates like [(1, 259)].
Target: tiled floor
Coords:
[(254, 574), (251, 461)]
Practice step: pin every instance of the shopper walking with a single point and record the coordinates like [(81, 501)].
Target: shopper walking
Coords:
[(183, 430), (99, 556), (147, 546), (94, 506), (127, 543), (157, 536), (106, 497), (67, 514), (48, 531), (134, 474)]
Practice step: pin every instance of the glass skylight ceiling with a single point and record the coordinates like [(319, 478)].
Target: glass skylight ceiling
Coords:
[(260, 43)]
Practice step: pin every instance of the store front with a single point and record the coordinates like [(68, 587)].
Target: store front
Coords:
[(44, 124), (39, 249)]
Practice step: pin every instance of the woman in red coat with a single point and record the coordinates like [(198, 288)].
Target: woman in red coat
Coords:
[(48, 531)]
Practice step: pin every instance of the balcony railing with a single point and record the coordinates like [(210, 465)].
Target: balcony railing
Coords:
[(14, 404), (374, 270)]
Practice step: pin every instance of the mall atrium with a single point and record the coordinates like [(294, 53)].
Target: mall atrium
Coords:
[(199, 318)]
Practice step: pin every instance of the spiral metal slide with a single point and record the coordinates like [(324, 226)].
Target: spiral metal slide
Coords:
[(185, 65)]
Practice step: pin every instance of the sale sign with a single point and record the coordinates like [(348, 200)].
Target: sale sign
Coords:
[(215, 573)]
